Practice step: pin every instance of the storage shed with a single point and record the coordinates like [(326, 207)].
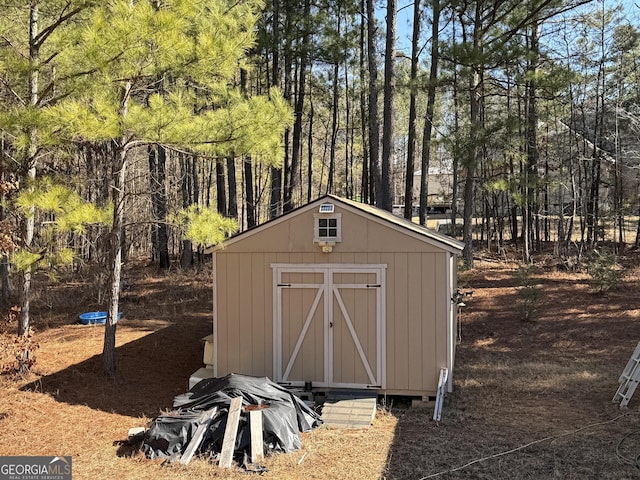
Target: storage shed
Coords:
[(337, 294)]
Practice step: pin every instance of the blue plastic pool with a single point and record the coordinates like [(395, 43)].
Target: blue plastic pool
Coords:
[(93, 318)]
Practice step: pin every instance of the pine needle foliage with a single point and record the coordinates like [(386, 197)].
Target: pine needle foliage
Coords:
[(140, 74), (62, 211), (204, 226), (606, 273)]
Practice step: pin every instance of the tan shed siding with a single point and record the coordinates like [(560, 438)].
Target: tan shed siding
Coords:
[(416, 298), (266, 315), (227, 299), (234, 322), (416, 319), (398, 289), (260, 331), (309, 257), (295, 258), (219, 306), (355, 232), (374, 258), (244, 337), (301, 233), (359, 234), (429, 334), (381, 238), (418, 316), (222, 305), (243, 321), (273, 239)]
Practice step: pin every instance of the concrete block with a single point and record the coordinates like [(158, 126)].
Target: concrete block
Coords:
[(200, 374)]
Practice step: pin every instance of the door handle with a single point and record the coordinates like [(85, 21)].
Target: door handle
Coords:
[(330, 324)]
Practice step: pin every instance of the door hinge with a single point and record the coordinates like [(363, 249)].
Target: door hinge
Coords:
[(373, 285), (284, 284)]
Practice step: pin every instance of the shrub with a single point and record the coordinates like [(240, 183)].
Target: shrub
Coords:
[(604, 269), (528, 292)]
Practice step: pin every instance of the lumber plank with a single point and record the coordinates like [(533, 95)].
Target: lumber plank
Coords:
[(230, 433), (352, 410), (196, 440), (257, 443)]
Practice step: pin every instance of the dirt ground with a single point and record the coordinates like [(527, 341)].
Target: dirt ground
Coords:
[(532, 398)]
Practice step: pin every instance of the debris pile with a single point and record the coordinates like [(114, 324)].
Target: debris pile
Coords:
[(198, 422)]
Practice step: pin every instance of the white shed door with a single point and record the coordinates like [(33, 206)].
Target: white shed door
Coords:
[(329, 325)]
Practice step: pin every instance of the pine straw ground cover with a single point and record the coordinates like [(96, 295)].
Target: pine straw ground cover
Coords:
[(532, 399)]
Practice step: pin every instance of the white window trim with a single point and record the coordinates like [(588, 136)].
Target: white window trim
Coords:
[(316, 228)]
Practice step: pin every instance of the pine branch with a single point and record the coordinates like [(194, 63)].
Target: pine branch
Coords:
[(10, 44), (13, 92), (46, 32)]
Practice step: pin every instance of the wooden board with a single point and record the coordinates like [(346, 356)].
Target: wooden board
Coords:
[(349, 410), (196, 440), (257, 443), (230, 433)]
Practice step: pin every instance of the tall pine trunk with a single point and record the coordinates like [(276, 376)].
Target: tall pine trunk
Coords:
[(531, 235), (310, 150), (29, 166), (247, 165), (365, 178), (334, 127), (186, 187), (476, 129), (275, 200), (232, 211), (385, 200), (250, 202), (109, 360), (411, 148), (157, 169), (375, 168), (296, 149), (428, 116), (118, 185)]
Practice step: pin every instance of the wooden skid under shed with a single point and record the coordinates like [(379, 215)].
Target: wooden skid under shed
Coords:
[(349, 410)]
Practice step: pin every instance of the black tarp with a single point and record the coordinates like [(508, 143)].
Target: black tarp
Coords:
[(283, 419)]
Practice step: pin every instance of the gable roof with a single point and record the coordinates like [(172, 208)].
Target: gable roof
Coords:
[(371, 212)]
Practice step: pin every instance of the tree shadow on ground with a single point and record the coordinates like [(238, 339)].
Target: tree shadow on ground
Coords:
[(152, 370)]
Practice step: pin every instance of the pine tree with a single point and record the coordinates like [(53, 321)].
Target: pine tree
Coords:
[(29, 86), (193, 48)]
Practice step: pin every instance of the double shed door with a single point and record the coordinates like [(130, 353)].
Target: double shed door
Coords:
[(329, 325)]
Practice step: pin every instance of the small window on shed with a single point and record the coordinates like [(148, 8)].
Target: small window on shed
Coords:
[(327, 227)]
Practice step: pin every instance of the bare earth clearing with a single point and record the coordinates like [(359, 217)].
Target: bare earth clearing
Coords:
[(548, 381)]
